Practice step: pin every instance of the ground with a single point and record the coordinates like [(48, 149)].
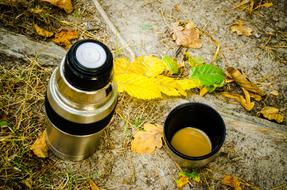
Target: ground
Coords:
[(255, 149)]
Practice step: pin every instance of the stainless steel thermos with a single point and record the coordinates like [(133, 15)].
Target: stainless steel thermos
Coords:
[(80, 100)]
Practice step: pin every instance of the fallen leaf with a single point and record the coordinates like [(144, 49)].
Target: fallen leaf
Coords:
[(42, 32), (266, 5), (245, 103), (63, 4), (146, 141), (209, 75), (274, 93), (241, 29), (171, 64), (27, 182), (64, 37), (272, 113), (231, 181), (256, 97), (186, 34), (243, 81), (36, 10), (193, 175), (194, 60), (40, 148), (203, 91), (93, 185), (181, 181)]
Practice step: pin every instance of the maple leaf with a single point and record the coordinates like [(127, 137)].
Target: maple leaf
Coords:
[(231, 181), (241, 29), (40, 148), (186, 34), (42, 32), (64, 37), (63, 4), (243, 81), (272, 113), (148, 140)]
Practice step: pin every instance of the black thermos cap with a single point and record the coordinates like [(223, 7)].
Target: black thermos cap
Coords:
[(88, 65)]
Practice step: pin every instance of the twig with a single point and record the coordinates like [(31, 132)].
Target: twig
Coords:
[(113, 28), (214, 58)]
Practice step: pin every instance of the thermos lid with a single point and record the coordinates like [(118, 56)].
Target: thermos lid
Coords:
[(88, 65)]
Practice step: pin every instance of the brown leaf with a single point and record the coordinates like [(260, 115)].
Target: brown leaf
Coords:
[(40, 147), (62, 4), (146, 141), (241, 29), (42, 32), (272, 113), (243, 81), (231, 181), (186, 34), (93, 185), (64, 37)]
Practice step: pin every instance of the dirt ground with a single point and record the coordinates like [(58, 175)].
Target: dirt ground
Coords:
[(255, 149)]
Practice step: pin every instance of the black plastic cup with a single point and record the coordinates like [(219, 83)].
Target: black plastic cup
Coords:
[(200, 116)]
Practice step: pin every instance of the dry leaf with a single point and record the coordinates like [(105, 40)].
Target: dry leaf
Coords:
[(203, 91), (241, 29), (93, 185), (36, 10), (272, 113), (186, 34), (256, 97), (146, 141), (28, 183), (231, 181), (243, 81), (245, 102), (182, 181), (274, 93), (40, 147), (63, 4), (42, 32), (64, 37)]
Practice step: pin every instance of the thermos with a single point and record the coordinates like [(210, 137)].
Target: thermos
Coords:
[(80, 100)]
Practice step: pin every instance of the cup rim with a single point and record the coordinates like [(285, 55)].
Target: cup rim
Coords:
[(214, 150)]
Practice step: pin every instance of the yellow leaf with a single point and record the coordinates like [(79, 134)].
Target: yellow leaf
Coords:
[(93, 185), (274, 93), (64, 37), (152, 66), (186, 34), (245, 103), (148, 140), (241, 29), (36, 10), (231, 181), (42, 32), (40, 148), (272, 113), (256, 97), (267, 5), (169, 86), (63, 4), (203, 91), (187, 84), (182, 181), (138, 86), (243, 81), (120, 65), (27, 182)]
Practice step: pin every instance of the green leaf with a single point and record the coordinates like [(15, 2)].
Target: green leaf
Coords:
[(172, 65), (194, 60), (209, 75), (3, 123), (193, 175)]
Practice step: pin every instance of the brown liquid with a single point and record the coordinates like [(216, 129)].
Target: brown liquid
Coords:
[(191, 142)]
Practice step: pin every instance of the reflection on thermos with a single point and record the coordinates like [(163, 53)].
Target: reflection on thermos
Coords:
[(80, 101)]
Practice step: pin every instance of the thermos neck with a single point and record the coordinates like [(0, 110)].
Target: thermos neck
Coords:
[(88, 65)]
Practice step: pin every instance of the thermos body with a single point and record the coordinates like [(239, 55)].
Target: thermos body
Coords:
[(80, 100)]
